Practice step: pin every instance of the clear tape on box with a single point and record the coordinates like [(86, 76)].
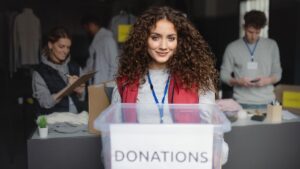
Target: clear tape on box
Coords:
[(174, 114)]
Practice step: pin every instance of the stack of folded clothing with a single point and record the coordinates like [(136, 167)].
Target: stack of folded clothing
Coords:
[(230, 108), (67, 122)]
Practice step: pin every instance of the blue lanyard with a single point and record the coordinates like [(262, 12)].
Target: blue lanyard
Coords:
[(160, 108), (251, 51)]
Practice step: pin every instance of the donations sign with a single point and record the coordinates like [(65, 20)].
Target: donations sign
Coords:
[(151, 146)]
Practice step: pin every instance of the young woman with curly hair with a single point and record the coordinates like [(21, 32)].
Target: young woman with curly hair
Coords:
[(165, 55), (165, 60)]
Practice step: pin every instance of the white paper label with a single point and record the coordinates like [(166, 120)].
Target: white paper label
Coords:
[(150, 146), (252, 65)]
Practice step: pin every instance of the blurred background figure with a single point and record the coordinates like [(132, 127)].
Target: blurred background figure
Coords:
[(254, 63), (103, 50), (54, 73)]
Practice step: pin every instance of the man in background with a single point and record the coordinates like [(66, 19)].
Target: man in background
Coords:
[(252, 64), (103, 50)]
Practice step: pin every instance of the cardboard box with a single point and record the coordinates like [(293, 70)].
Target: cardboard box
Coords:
[(274, 113), (99, 100), (288, 96)]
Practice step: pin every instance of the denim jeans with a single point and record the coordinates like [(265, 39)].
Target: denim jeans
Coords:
[(254, 106)]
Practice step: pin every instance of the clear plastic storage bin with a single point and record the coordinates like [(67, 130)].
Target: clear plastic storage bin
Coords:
[(168, 115)]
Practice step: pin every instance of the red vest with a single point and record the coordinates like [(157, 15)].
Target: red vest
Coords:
[(176, 94)]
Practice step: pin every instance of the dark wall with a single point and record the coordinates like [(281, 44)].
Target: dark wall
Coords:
[(218, 30), (2, 41), (68, 13), (284, 28), (297, 56)]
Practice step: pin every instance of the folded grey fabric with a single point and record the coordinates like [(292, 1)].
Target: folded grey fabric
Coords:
[(67, 128)]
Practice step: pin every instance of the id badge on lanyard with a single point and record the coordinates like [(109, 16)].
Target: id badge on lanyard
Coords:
[(252, 65)]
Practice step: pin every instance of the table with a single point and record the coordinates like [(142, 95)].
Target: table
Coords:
[(65, 151), (262, 145), (252, 145)]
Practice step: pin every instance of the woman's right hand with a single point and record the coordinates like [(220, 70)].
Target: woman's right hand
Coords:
[(72, 79), (80, 89)]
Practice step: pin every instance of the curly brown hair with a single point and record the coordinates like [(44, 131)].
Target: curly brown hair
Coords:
[(193, 62), (255, 18)]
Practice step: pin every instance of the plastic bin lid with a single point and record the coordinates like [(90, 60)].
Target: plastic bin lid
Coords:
[(124, 113)]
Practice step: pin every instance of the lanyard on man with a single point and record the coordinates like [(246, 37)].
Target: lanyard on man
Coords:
[(251, 65), (251, 51)]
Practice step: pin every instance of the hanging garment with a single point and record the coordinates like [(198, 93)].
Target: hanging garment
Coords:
[(122, 19), (27, 38)]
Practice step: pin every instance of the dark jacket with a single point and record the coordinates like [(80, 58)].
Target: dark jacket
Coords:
[(55, 83)]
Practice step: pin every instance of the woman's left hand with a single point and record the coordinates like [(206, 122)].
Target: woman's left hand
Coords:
[(79, 90)]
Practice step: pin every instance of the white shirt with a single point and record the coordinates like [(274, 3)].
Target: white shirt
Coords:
[(103, 56)]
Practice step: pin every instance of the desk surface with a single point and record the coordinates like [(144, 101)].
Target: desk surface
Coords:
[(252, 144), (53, 134), (65, 151), (248, 122), (274, 146)]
